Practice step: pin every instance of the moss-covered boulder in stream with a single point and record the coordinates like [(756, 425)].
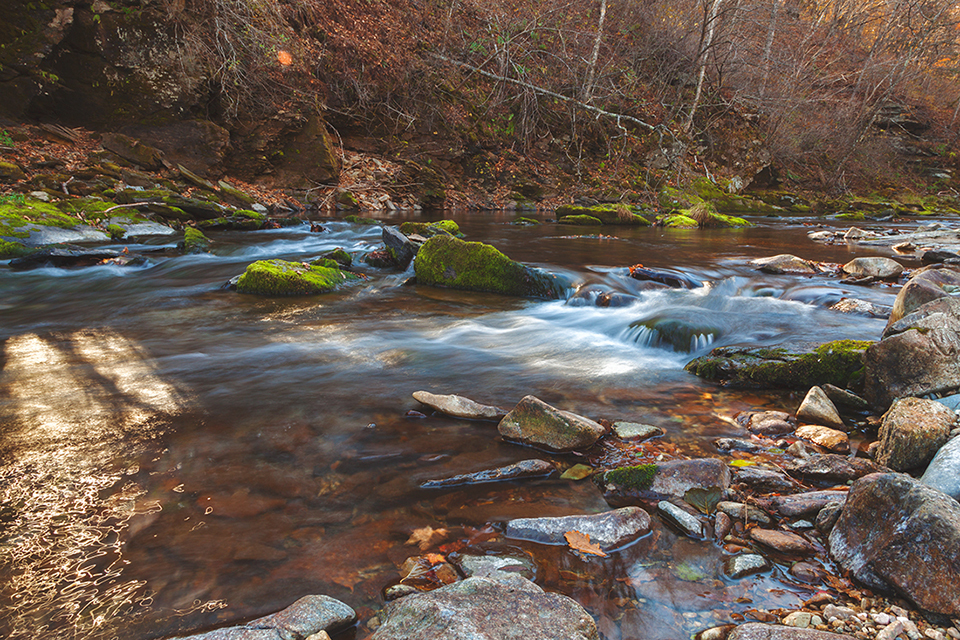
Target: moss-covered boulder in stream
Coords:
[(281, 278), (580, 220), (430, 229), (618, 214), (840, 363), (194, 241), (445, 261)]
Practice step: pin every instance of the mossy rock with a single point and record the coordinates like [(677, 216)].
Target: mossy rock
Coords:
[(10, 172), (839, 363), (281, 278), (670, 198), (235, 195), (347, 200), (525, 222), (237, 221), (635, 478), (615, 214), (10, 250), (95, 209), (857, 216), (581, 220), (444, 261), (430, 229), (338, 255), (17, 214), (116, 231), (359, 220), (677, 221), (194, 241)]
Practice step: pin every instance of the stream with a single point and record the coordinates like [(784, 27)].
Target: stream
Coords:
[(175, 456)]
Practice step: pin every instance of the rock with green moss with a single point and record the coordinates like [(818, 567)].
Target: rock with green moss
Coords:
[(194, 241), (359, 220), (116, 232), (9, 250), (239, 220), (346, 200), (34, 223), (281, 278), (615, 214), (840, 363), (235, 196), (671, 479), (525, 222), (444, 261), (536, 423), (677, 221), (580, 220), (338, 255), (430, 229), (9, 172)]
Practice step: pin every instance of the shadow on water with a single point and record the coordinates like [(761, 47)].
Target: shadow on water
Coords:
[(175, 456)]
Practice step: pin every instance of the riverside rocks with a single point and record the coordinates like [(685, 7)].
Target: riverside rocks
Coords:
[(830, 439), (897, 534), (535, 422), (759, 631), (785, 264), (508, 608), (830, 467), (912, 432), (522, 469), (876, 267), (943, 472), (610, 530), (445, 261), (307, 616), (671, 479), (281, 278), (817, 408), (458, 406), (922, 288)]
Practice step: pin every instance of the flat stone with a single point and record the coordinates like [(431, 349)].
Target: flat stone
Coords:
[(496, 565), (671, 480), (761, 480), (845, 398), (683, 520), (62, 257), (745, 564), (535, 422), (42, 235), (785, 264), (830, 439), (480, 608), (912, 432), (523, 469), (307, 616), (804, 504), (635, 430), (896, 534), (817, 408), (610, 530), (943, 472), (807, 572), (782, 541), (740, 512), (737, 444), (860, 308), (761, 631), (830, 467), (458, 406), (875, 267), (767, 423), (146, 228)]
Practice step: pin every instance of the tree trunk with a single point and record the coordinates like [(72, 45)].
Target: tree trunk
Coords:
[(702, 58), (592, 64)]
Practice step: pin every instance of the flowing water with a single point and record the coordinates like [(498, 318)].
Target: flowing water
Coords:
[(174, 456)]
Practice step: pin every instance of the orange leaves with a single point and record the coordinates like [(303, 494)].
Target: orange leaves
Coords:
[(284, 58), (426, 537), (581, 542)]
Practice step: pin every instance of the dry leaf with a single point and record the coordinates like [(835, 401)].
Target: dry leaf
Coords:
[(426, 537), (581, 542)]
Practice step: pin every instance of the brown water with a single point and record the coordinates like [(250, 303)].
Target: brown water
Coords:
[(176, 457)]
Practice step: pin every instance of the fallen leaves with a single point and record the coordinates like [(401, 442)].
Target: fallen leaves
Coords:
[(426, 537), (581, 542)]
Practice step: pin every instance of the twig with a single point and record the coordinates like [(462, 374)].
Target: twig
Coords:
[(133, 204)]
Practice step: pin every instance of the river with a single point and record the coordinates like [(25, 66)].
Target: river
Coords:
[(175, 456)]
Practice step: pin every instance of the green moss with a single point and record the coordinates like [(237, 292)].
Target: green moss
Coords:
[(16, 214), (430, 229), (252, 215), (852, 215), (618, 214), (95, 209), (116, 231), (359, 220), (448, 262), (339, 256), (637, 478), (281, 278), (348, 200), (677, 220), (839, 363), (723, 220), (521, 221), (580, 220), (194, 241), (9, 250)]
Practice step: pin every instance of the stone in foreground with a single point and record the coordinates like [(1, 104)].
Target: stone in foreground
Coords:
[(445, 261), (458, 406), (305, 617), (943, 473), (536, 423), (830, 439), (509, 608), (912, 432), (818, 408), (664, 480), (281, 278), (760, 631), (897, 534), (610, 530)]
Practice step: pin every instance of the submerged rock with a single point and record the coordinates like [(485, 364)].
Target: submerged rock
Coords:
[(686, 522), (679, 334), (522, 469), (458, 406), (479, 608), (830, 467), (785, 264), (305, 617), (194, 241), (766, 423), (535, 422), (512, 561), (445, 261), (897, 534), (610, 530), (635, 430), (744, 564), (63, 256), (839, 363), (912, 432), (281, 278)]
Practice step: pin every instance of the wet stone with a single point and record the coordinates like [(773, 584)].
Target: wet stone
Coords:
[(458, 406), (535, 422), (830, 467), (745, 564), (830, 439), (635, 430), (785, 264), (761, 480), (761, 631), (912, 432), (782, 541), (496, 565), (845, 398), (767, 423), (737, 444), (738, 511), (683, 520), (804, 504), (523, 469), (305, 617), (817, 408), (807, 573), (609, 530)]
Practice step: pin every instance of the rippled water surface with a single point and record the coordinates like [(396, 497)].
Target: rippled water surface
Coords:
[(174, 456)]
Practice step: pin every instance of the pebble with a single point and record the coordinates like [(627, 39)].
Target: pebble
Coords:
[(891, 631)]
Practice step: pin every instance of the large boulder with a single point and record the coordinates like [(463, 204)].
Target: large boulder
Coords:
[(877, 267), (281, 278), (479, 608), (922, 288), (912, 432), (919, 354), (617, 214), (536, 423), (307, 616), (444, 261), (839, 363), (897, 534), (610, 530), (943, 472)]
